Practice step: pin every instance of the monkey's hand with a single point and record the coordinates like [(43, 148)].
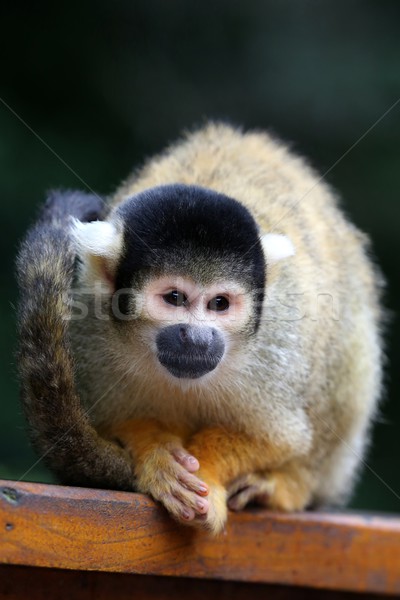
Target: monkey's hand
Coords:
[(287, 489), (163, 473), (253, 488), (163, 468), (245, 469)]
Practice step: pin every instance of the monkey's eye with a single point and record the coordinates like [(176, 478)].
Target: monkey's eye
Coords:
[(219, 303), (175, 298)]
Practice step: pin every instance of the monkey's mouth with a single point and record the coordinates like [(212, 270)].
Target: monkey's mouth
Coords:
[(188, 366)]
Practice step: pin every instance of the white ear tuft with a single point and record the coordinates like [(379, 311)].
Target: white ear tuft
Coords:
[(98, 238), (276, 247)]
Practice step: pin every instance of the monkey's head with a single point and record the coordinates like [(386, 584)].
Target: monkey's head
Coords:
[(185, 268)]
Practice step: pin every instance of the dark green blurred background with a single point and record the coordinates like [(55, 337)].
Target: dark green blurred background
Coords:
[(105, 84)]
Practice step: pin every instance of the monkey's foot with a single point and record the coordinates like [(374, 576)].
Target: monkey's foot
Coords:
[(285, 491), (167, 475)]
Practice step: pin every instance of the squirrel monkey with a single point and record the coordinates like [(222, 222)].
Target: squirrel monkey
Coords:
[(211, 336)]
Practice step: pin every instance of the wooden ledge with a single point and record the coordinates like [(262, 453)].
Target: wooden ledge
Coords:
[(96, 530)]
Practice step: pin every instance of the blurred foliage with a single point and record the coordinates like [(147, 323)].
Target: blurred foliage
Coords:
[(89, 89)]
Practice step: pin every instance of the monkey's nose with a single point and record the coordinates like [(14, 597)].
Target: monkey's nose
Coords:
[(197, 337), (189, 350)]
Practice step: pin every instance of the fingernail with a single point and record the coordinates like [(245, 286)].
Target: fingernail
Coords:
[(200, 504), (186, 514), (203, 489), (192, 459)]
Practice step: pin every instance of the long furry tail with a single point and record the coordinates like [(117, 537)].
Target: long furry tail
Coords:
[(59, 428)]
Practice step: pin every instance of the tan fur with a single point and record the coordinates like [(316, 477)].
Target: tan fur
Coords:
[(293, 422)]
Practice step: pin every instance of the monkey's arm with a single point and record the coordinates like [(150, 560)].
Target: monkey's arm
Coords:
[(251, 469), (231, 464), (162, 467), (59, 427)]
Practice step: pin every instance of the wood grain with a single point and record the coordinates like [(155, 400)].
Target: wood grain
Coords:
[(97, 530)]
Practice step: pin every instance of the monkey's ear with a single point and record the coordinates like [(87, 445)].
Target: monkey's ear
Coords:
[(276, 247), (98, 238), (99, 246)]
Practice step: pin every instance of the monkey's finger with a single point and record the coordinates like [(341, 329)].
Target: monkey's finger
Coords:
[(180, 511), (215, 519), (190, 500), (189, 462), (193, 483)]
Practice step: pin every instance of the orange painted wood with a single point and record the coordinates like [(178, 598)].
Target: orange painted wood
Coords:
[(82, 529)]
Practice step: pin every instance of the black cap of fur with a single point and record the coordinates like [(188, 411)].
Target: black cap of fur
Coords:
[(190, 231)]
